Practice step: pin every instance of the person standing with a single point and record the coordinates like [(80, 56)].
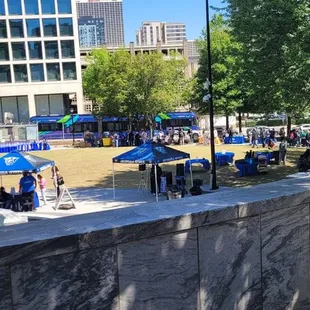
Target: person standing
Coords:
[(42, 184), (27, 186), (282, 151), (181, 136), (230, 136), (254, 138), (262, 137), (131, 138), (55, 174)]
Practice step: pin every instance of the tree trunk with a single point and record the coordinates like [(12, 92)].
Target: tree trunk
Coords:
[(100, 129), (227, 122), (240, 122), (289, 125)]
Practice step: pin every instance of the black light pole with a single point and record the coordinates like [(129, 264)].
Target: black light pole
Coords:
[(210, 99), (73, 131)]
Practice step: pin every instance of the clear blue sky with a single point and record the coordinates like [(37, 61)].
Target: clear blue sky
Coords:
[(191, 12)]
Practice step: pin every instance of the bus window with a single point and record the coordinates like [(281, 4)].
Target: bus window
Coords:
[(55, 127), (77, 128), (44, 127)]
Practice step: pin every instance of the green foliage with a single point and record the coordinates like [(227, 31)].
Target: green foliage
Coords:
[(301, 121), (225, 68), (270, 122), (275, 37), (146, 84)]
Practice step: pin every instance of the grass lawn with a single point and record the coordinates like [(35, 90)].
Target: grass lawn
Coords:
[(92, 167)]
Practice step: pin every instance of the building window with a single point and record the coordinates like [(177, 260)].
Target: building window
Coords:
[(69, 70), (33, 28), (18, 49), (2, 8), (66, 27), (67, 49), (35, 50), (17, 29), (49, 104), (4, 52), (48, 6), (51, 50), (53, 72), (64, 6), (21, 75), (5, 74), (3, 32), (9, 105), (37, 73), (23, 109), (31, 7), (15, 7), (49, 26)]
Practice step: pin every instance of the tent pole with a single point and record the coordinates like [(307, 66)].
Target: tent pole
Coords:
[(156, 184), (114, 196), (191, 170)]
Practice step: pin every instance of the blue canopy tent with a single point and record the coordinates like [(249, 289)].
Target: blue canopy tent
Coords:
[(16, 163), (149, 153)]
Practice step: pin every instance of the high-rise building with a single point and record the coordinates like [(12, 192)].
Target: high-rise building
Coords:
[(150, 33), (91, 32), (108, 11), (173, 33), (40, 69)]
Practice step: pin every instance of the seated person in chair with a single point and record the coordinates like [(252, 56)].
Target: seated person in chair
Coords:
[(5, 198), (27, 186)]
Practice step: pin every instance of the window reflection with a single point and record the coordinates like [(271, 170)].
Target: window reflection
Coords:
[(64, 6), (66, 27), (49, 26), (33, 27), (21, 74), (35, 50), (53, 72), (4, 52), (18, 49), (2, 8), (17, 29), (67, 49), (37, 72), (3, 32), (69, 70), (48, 6), (51, 50), (31, 7), (5, 74), (15, 7)]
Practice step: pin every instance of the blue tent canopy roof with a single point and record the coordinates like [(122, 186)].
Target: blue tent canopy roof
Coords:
[(151, 154), (17, 163)]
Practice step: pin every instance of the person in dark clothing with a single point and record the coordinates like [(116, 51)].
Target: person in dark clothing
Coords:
[(5, 197), (230, 135), (137, 139), (254, 139), (153, 184), (131, 138), (282, 151)]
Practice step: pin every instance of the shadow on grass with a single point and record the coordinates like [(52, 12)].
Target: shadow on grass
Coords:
[(226, 176)]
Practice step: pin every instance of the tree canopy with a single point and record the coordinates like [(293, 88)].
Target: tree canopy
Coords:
[(134, 86)]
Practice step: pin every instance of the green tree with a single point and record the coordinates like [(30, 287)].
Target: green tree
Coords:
[(275, 44), (225, 51)]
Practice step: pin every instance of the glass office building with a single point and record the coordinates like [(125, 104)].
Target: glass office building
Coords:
[(40, 70)]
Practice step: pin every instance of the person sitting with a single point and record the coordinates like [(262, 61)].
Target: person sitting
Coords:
[(27, 186), (5, 198), (304, 162)]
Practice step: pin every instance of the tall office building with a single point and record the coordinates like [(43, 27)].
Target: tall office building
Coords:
[(173, 33), (40, 69), (167, 33), (111, 12), (91, 32)]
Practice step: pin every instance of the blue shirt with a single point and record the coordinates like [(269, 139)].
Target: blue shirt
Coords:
[(27, 184)]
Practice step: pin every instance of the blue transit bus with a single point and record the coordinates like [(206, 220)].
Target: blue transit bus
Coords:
[(61, 127)]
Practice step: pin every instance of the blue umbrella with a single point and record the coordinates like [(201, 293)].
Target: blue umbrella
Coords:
[(18, 162)]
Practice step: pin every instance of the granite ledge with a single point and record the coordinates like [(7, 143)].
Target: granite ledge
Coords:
[(108, 228)]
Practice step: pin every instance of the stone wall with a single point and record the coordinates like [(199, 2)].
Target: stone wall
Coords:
[(236, 249)]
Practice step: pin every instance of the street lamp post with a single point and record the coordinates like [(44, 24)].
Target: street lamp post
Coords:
[(73, 129), (210, 99)]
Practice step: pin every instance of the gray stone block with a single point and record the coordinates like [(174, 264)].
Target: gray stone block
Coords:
[(159, 273), (5, 289), (83, 280), (229, 264), (285, 259)]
